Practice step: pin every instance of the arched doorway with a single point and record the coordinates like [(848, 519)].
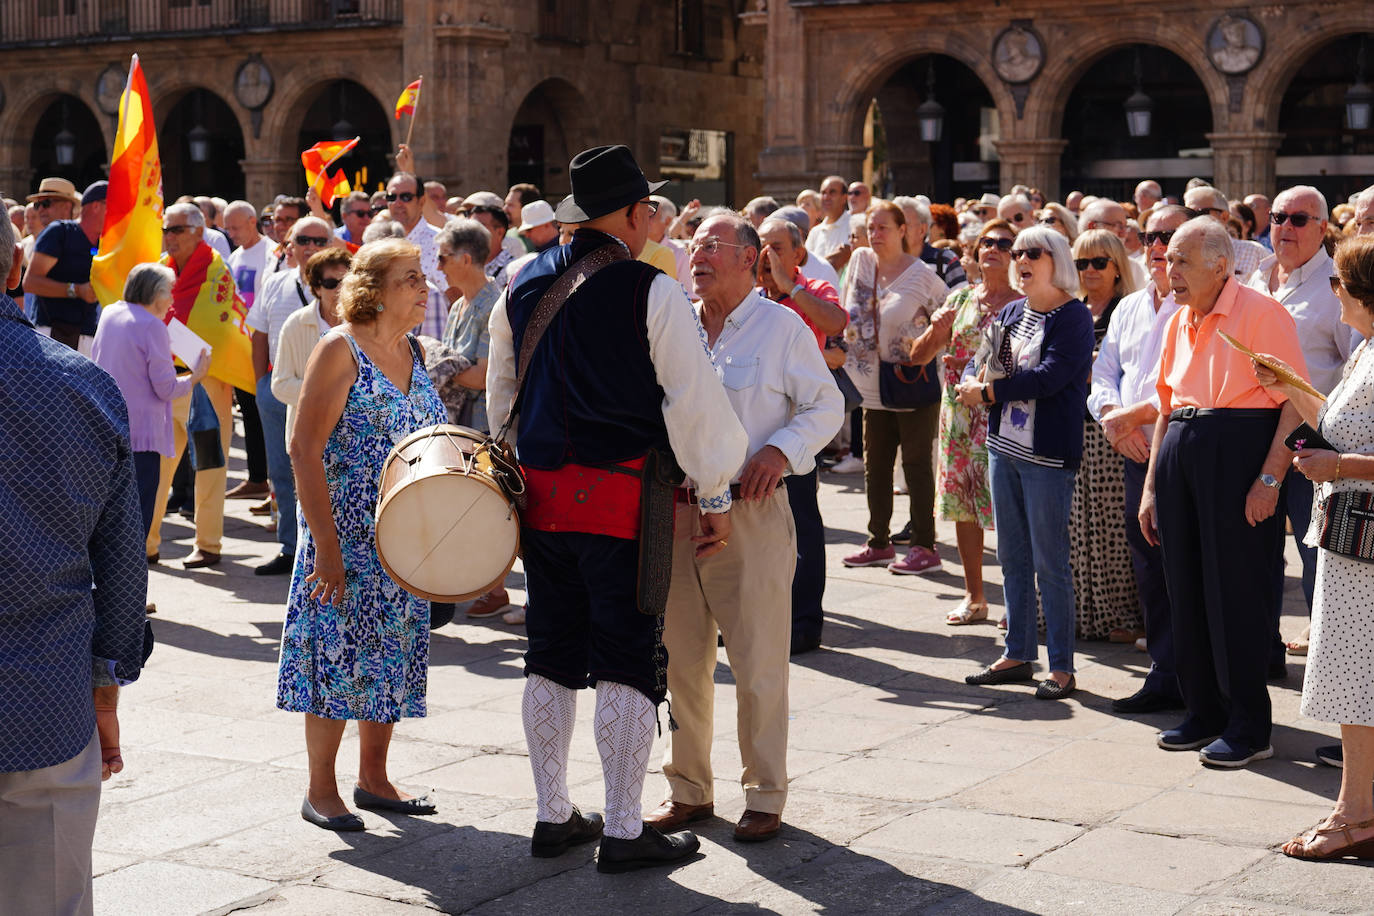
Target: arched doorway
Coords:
[(962, 162), (1319, 147), (67, 143), (542, 136), (344, 110), (1102, 156), (201, 145)]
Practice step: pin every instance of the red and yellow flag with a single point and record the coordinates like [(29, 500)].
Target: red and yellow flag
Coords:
[(133, 214), (409, 99), (205, 299), (317, 161)]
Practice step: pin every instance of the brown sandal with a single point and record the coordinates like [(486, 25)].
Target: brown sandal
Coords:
[(1364, 849)]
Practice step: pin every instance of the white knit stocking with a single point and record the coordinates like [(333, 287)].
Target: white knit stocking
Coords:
[(624, 737), (548, 710)]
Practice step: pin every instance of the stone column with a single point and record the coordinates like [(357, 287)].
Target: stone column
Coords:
[(784, 166), (265, 178), (1032, 162), (16, 180), (1243, 163)]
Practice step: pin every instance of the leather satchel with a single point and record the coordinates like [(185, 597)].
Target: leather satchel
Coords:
[(1347, 525)]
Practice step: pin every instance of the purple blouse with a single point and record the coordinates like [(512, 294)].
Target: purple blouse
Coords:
[(133, 346)]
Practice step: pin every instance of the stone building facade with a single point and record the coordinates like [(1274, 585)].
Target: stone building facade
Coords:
[(1260, 88), (512, 88)]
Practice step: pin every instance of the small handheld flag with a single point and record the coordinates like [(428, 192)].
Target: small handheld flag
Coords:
[(410, 97)]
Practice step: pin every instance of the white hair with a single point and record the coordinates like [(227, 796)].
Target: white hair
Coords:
[(146, 281), (666, 208), (916, 207), (243, 207), (1323, 212), (193, 214), (383, 229), (1057, 247)]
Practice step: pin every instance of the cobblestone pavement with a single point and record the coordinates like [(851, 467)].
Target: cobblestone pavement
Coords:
[(911, 792)]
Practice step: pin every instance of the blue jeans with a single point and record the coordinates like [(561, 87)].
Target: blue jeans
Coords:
[(1030, 505), (273, 414)]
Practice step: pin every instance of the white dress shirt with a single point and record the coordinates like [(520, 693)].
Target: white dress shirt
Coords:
[(777, 381), (278, 296), (1127, 363), (703, 431), (1326, 342), (825, 237)]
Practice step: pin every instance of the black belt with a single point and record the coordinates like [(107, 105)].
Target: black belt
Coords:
[(689, 494), (1236, 413)]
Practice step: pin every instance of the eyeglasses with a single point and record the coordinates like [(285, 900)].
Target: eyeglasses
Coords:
[(362, 214), (1149, 238), (854, 192), (999, 244), (375, 210), (404, 197), (44, 203), (710, 247), (1203, 211), (1297, 219), (1032, 253), (175, 230), (285, 220), (1336, 283), (1049, 220), (1098, 263), (331, 282), (1018, 217), (319, 241), (653, 207)]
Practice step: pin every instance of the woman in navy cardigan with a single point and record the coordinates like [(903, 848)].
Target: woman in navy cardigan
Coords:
[(1036, 386)]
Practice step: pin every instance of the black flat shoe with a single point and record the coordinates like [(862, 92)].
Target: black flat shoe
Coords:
[(1145, 701), (344, 823), (276, 566), (1049, 689), (367, 801), (902, 537), (649, 849), (990, 675), (552, 840)]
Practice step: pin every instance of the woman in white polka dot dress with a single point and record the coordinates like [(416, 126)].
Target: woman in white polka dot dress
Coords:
[(1339, 686)]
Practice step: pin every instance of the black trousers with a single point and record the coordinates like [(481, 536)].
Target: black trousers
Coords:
[(1217, 569), (808, 582), (1148, 563), (254, 446)]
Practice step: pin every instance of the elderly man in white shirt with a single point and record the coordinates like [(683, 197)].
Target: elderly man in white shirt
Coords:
[(1124, 400), (788, 403), (1298, 274), (829, 239), (1110, 215)]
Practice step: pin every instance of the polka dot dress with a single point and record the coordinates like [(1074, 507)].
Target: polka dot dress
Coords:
[(1340, 663)]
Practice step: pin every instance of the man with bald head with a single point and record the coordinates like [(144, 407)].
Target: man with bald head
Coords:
[(1259, 205), (1211, 491), (829, 238), (1147, 194), (1102, 213), (1015, 209), (1074, 202), (1246, 255), (860, 196)]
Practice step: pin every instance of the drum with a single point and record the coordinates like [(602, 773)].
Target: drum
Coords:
[(445, 529)]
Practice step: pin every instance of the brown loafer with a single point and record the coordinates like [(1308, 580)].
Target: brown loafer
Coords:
[(671, 815), (249, 490), (757, 826), (262, 508), (199, 559), (490, 604)]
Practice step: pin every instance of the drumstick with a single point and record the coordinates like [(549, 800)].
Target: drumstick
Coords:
[(1285, 374)]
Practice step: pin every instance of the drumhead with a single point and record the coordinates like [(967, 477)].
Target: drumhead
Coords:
[(448, 537)]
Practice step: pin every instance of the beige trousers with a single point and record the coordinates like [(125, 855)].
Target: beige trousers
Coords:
[(746, 591), (47, 824), (210, 485)]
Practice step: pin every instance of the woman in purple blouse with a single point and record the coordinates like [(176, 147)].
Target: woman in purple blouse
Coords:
[(131, 343)]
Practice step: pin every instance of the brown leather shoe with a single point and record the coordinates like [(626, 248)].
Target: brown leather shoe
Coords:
[(199, 559), (671, 815), (757, 826), (490, 604), (249, 490), (262, 508)]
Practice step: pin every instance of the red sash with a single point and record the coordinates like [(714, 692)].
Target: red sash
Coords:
[(584, 499)]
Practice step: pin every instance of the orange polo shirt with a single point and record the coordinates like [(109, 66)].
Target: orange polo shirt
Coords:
[(1199, 369)]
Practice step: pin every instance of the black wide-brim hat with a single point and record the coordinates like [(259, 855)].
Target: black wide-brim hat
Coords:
[(604, 179)]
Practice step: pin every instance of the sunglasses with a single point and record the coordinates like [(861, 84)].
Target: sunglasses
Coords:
[(1049, 220), (999, 244), (1032, 253), (404, 197), (1297, 219), (1018, 217), (1203, 211), (45, 203), (853, 192), (331, 282), (1098, 263), (1149, 238), (375, 210), (363, 214), (1336, 283), (319, 241), (175, 230)]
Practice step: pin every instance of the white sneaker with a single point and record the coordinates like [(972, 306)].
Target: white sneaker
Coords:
[(848, 465)]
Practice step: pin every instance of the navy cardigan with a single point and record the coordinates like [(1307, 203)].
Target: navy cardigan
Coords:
[(1058, 385)]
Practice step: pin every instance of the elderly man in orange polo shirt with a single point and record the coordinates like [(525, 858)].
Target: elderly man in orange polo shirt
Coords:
[(1216, 464)]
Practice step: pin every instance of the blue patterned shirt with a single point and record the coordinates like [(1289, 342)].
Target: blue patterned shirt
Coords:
[(71, 546)]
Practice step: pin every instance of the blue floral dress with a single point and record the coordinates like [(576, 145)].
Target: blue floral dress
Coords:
[(367, 658)]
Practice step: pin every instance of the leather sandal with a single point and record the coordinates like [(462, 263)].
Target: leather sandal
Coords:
[(1364, 849), (967, 612)]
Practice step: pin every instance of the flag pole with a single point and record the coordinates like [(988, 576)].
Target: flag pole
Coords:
[(415, 111)]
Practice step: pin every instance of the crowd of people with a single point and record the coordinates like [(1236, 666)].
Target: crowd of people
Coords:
[(1137, 395)]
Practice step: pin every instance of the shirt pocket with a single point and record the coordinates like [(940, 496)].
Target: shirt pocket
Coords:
[(740, 372)]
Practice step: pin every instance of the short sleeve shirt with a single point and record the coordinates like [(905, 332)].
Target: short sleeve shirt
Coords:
[(821, 290), (64, 240)]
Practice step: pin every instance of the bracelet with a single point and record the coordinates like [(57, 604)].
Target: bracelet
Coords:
[(795, 288), (1338, 467), (986, 398)]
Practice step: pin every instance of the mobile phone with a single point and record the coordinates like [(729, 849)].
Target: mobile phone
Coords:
[(1307, 437)]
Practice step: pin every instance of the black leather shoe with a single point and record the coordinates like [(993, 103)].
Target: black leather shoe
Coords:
[(1050, 689), (552, 839), (276, 566), (344, 823), (1144, 701), (990, 675), (803, 646), (366, 800), (649, 849)]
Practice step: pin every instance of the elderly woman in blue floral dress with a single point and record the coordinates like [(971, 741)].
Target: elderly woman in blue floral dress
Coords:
[(356, 645)]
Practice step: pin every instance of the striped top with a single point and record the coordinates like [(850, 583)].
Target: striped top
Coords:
[(1020, 351)]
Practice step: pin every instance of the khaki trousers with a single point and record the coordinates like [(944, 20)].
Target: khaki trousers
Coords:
[(47, 824), (210, 485), (746, 591)]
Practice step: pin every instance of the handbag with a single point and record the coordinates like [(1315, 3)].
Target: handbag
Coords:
[(904, 386), (848, 390), (202, 432), (1347, 525)]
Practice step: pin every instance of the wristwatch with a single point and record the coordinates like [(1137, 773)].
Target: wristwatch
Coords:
[(987, 398), (71, 290), (798, 286), (1270, 481)]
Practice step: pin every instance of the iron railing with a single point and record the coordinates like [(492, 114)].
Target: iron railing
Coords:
[(57, 22)]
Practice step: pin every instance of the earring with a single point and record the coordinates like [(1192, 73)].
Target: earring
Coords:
[(380, 308)]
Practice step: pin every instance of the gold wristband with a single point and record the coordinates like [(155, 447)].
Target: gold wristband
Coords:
[(1338, 467)]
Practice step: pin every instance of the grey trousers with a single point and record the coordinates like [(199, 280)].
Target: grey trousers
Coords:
[(47, 824)]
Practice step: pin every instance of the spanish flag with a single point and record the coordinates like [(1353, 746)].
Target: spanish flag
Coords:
[(409, 99), (205, 299), (133, 216), (317, 161), (330, 151)]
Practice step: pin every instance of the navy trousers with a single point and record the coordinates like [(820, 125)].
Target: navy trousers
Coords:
[(1216, 567), (808, 582), (1148, 562)]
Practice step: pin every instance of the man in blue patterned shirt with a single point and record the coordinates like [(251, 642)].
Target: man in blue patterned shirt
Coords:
[(71, 558)]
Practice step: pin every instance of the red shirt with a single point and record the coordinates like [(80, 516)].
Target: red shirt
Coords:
[(821, 289)]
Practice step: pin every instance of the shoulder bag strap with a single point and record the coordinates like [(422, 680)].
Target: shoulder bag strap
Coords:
[(550, 304)]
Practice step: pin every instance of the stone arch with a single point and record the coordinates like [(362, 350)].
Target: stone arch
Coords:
[(176, 114), (1267, 84), (559, 111), (166, 91), (298, 87), (29, 99)]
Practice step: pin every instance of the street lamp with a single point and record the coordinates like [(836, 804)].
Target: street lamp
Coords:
[(342, 129), (199, 139), (930, 114), (1359, 98), (1139, 106), (64, 145)]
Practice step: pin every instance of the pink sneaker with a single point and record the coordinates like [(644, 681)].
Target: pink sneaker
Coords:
[(871, 556), (918, 560)]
